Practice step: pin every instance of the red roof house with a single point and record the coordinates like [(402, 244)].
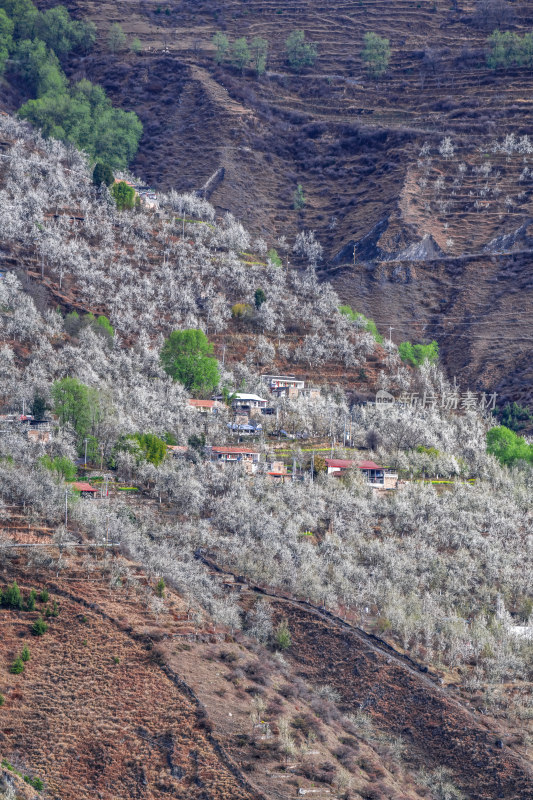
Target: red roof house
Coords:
[(202, 405), (85, 489), (375, 475)]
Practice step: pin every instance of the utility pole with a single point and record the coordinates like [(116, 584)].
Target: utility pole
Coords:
[(223, 355), (390, 334), (23, 407), (354, 255), (85, 461)]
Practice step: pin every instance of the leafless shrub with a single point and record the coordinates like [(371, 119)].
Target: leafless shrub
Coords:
[(324, 771), (259, 672), (492, 14)]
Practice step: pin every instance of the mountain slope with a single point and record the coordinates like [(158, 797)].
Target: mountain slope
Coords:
[(366, 153)]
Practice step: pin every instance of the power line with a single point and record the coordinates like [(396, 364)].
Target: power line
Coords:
[(457, 320)]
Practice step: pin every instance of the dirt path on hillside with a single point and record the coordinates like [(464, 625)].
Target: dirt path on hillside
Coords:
[(97, 713), (369, 675)]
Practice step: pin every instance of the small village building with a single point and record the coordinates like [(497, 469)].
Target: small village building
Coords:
[(282, 382), (376, 476), (289, 386), (242, 401), (235, 455), (277, 471), (177, 450), (40, 433), (311, 392), (285, 391), (206, 406), (85, 489)]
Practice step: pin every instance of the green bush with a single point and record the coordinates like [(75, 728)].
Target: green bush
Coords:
[(24, 16), (153, 449), (116, 38), (30, 602), (61, 465), (160, 588), (515, 416), (40, 69), (25, 654), (300, 53), (366, 323), (508, 447), (136, 45), (102, 173), (221, 42), (62, 34), (82, 115), (123, 195), (39, 406), (7, 27), (259, 51), (282, 635), (102, 323), (35, 782), (240, 54), (76, 404), (259, 298), (417, 354), (39, 627), (2, 700), (298, 198), (187, 356), (44, 595), (17, 667), (376, 54), (241, 311), (508, 49), (273, 256), (12, 596)]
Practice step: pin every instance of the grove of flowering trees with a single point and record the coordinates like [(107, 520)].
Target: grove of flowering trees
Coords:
[(432, 565)]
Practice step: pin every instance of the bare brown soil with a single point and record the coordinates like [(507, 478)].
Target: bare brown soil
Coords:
[(95, 712), (405, 699), (437, 728)]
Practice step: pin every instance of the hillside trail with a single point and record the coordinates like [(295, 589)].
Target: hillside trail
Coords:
[(401, 696), (218, 93), (226, 762)]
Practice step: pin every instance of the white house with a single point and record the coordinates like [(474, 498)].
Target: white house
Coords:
[(282, 381), (378, 477)]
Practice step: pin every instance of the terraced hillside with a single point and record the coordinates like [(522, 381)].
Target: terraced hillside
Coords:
[(94, 712), (366, 151)]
